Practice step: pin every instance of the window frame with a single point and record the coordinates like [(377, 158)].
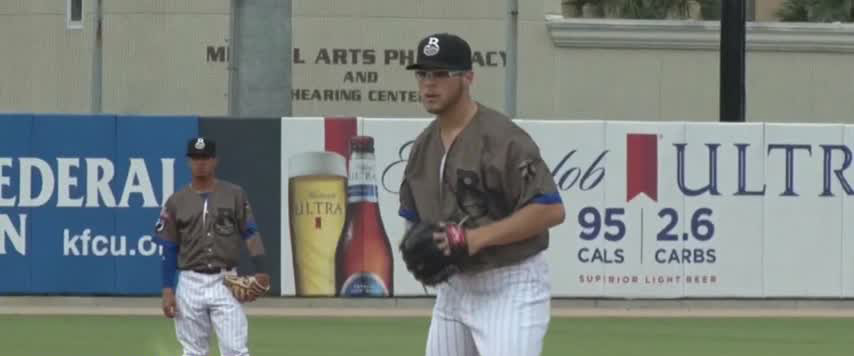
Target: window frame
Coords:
[(70, 23)]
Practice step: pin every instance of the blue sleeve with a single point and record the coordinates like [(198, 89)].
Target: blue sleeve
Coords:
[(169, 263), (547, 198), (250, 231), (246, 216), (409, 215)]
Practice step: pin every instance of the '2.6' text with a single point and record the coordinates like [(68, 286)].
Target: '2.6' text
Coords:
[(611, 225)]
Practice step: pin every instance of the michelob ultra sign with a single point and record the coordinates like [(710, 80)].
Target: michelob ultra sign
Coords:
[(655, 209)]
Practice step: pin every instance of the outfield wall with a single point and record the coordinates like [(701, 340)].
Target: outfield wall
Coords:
[(654, 209), (80, 195)]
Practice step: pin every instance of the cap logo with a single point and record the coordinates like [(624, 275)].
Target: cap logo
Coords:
[(432, 47), (200, 144)]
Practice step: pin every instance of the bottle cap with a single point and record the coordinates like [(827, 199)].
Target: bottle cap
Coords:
[(362, 144)]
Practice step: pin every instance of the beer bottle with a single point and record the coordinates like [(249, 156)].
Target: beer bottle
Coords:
[(363, 260)]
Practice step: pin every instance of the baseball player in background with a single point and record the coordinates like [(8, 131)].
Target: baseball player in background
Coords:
[(201, 228), (473, 164)]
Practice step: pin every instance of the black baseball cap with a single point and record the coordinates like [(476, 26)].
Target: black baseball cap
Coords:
[(201, 147), (442, 51)]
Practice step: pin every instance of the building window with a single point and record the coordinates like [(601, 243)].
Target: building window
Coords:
[(74, 14)]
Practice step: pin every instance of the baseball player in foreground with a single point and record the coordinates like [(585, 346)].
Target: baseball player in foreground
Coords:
[(201, 228), (479, 200)]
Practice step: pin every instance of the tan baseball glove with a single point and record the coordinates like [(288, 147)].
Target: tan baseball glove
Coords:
[(245, 288)]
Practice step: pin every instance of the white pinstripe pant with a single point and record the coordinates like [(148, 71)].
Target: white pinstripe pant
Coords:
[(202, 301), (501, 312)]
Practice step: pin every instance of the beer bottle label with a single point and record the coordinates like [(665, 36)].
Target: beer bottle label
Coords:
[(364, 285), (361, 183)]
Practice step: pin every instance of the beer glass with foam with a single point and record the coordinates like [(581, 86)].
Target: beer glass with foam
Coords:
[(317, 203)]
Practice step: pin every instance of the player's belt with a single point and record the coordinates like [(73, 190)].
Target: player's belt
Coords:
[(215, 270)]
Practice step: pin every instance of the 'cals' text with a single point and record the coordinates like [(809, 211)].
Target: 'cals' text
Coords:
[(600, 255), (62, 178), (608, 224)]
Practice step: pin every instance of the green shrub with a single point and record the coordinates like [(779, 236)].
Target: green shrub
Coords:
[(817, 11)]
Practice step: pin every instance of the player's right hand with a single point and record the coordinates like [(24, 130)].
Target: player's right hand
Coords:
[(451, 239), (170, 308)]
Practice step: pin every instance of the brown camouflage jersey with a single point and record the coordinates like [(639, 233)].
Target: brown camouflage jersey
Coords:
[(492, 169)]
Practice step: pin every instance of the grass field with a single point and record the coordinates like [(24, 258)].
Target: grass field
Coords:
[(303, 336)]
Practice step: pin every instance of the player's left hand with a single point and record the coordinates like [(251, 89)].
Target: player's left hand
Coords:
[(248, 288), (262, 286), (433, 252)]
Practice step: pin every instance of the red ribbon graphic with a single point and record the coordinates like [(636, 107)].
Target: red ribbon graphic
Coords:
[(337, 134), (641, 166)]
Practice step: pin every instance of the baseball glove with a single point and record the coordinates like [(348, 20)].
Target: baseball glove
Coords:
[(424, 258), (245, 288)]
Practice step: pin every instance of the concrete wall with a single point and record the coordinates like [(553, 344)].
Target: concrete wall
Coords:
[(153, 57), (683, 85), (637, 70), (161, 57), (44, 65)]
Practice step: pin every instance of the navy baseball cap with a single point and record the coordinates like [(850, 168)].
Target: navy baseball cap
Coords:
[(201, 147), (442, 51)]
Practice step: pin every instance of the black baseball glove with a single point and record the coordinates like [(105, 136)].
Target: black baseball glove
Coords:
[(426, 259)]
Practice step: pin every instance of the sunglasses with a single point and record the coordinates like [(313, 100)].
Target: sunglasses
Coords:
[(437, 74)]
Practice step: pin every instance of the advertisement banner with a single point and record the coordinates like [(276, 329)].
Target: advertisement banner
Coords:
[(577, 156), (315, 159), (653, 209), (71, 227), (15, 220), (146, 175), (80, 196), (642, 213), (723, 170), (803, 221), (844, 187), (392, 141)]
